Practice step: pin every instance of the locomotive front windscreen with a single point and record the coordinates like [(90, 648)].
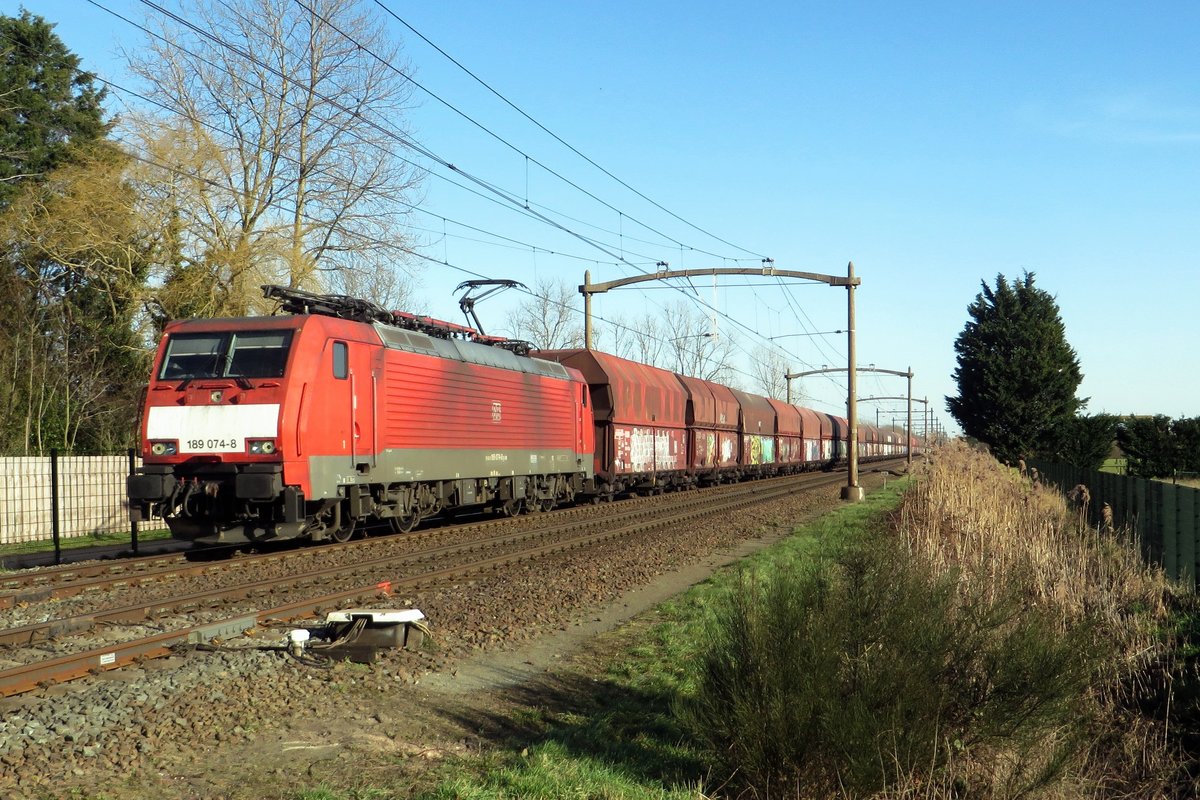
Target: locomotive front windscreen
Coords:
[(226, 354)]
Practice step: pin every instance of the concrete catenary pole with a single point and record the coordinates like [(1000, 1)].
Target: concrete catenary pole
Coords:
[(851, 491)]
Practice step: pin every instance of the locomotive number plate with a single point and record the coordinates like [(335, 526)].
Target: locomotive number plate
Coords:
[(228, 445)]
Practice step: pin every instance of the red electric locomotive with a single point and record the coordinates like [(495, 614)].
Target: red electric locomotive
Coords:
[(338, 412)]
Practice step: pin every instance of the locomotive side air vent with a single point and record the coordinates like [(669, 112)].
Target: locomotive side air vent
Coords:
[(397, 340)]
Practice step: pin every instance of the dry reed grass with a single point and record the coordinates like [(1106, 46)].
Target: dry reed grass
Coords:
[(967, 512), (971, 517)]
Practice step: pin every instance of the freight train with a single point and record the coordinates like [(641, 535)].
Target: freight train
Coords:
[(336, 414)]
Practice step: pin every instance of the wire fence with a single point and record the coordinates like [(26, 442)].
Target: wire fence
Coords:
[(43, 498)]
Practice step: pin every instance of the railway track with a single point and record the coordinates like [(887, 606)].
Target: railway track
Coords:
[(107, 632)]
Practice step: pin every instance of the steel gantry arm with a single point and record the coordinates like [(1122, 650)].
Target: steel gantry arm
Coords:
[(587, 289), (926, 413), (906, 374), (852, 491)]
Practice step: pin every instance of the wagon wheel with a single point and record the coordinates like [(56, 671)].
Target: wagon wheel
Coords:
[(403, 523), (514, 507), (547, 504), (342, 534)]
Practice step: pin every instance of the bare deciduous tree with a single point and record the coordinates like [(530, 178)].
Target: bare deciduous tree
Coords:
[(393, 289), (550, 319), (768, 366), (697, 349), (78, 255), (279, 155), (639, 339)]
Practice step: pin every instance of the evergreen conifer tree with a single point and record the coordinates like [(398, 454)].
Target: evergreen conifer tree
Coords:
[(47, 104), (1016, 373)]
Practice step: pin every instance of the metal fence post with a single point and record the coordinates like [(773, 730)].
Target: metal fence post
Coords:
[(1106, 495), (1131, 508), (54, 532), (133, 526), (1094, 480)]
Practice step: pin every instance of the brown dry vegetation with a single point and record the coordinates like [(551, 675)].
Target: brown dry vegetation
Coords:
[(996, 531)]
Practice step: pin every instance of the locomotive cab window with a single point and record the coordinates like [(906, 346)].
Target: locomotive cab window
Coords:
[(226, 354), (341, 360)]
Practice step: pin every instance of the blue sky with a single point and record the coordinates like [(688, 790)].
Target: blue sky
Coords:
[(934, 146)]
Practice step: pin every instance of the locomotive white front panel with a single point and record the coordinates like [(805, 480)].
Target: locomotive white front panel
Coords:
[(213, 429)]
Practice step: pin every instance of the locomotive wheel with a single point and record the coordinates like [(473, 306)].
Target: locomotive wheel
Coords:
[(547, 504), (513, 508), (403, 524), (342, 534)]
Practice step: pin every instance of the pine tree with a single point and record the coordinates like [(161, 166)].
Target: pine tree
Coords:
[(1016, 373), (1186, 432), (72, 257)]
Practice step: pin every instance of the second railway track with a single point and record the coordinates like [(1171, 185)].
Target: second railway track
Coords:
[(105, 633)]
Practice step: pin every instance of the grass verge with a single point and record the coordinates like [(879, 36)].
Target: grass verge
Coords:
[(619, 735), (969, 638), (76, 542)]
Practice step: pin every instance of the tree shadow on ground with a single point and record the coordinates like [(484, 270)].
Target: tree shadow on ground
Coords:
[(629, 729)]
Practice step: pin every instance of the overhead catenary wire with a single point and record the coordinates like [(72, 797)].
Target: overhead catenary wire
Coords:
[(501, 195), (525, 155), (406, 141), (528, 158), (508, 199), (412, 207), (555, 136), (413, 253), (471, 273)]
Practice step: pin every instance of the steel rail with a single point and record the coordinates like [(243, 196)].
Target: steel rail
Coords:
[(27, 677), (140, 612), (67, 581), (70, 667)]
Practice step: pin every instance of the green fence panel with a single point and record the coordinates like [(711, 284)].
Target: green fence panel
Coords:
[(1137, 511), (1185, 523), (1163, 517), (1167, 532)]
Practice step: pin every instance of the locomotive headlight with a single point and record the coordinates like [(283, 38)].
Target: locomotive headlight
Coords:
[(261, 447), (164, 448)]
